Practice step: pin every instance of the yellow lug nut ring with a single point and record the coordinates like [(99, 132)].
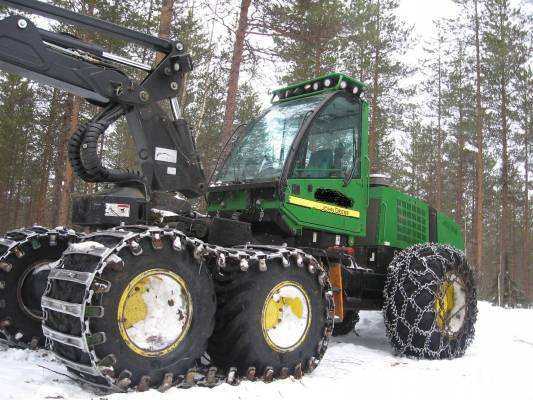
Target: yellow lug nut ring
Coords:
[(154, 312), (286, 316)]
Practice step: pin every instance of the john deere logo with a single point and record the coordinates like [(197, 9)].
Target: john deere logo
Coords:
[(345, 212)]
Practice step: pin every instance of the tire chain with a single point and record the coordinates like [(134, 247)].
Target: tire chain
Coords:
[(241, 258), (11, 243), (396, 277)]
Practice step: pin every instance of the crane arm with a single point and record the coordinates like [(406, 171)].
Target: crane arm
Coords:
[(165, 146)]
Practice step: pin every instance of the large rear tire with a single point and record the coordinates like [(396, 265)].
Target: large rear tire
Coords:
[(26, 257), (430, 303), (274, 322)]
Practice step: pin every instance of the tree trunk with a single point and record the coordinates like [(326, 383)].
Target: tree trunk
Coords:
[(40, 212), (61, 159), (148, 25), (504, 195), (233, 81), (460, 189), (16, 205), (525, 248), (73, 111), (438, 191), (165, 20), (372, 133), (479, 196), (210, 75), (318, 61)]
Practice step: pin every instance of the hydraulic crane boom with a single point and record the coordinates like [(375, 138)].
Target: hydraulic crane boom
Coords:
[(165, 146)]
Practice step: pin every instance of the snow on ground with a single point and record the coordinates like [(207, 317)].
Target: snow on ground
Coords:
[(498, 365)]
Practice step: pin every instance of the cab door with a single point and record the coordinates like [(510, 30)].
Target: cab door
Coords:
[(327, 185)]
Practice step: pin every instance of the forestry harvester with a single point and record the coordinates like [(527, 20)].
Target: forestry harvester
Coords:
[(297, 239)]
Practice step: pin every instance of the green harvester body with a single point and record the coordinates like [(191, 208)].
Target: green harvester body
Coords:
[(316, 206)]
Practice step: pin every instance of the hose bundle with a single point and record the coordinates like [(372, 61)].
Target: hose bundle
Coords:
[(83, 150)]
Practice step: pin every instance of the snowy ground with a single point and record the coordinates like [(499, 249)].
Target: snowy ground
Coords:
[(499, 365)]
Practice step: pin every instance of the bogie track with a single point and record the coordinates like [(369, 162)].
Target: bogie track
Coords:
[(81, 313), (26, 257), (242, 342)]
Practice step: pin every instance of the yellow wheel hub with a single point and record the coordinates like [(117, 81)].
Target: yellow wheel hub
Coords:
[(134, 307), (154, 312), (286, 316), (450, 305), (444, 303), (274, 310)]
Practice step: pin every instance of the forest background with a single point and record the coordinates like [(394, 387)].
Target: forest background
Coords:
[(454, 128)]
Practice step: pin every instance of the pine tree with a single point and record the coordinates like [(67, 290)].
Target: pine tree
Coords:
[(374, 43), (307, 36), (459, 114), (17, 131), (435, 66), (418, 171), (525, 154), (236, 61), (473, 12), (502, 40)]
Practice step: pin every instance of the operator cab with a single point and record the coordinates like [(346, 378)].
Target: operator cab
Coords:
[(301, 166), (283, 138)]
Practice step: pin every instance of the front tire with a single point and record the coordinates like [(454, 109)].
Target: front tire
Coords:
[(430, 305)]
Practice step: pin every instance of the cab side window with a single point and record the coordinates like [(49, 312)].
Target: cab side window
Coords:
[(331, 146)]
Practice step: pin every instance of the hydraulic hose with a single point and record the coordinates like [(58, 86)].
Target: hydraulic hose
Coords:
[(83, 151)]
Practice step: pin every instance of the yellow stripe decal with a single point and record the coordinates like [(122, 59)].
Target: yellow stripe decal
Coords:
[(346, 212)]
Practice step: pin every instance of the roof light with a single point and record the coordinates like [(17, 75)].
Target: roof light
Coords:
[(329, 82)]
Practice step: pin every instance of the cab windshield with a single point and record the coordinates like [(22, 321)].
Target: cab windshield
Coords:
[(263, 148)]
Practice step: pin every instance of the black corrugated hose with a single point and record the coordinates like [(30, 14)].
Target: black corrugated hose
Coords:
[(83, 150)]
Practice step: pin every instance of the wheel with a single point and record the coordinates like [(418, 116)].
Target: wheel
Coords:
[(272, 321), (351, 318), (153, 318), (159, 313), (26, 257), (430, 303)]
